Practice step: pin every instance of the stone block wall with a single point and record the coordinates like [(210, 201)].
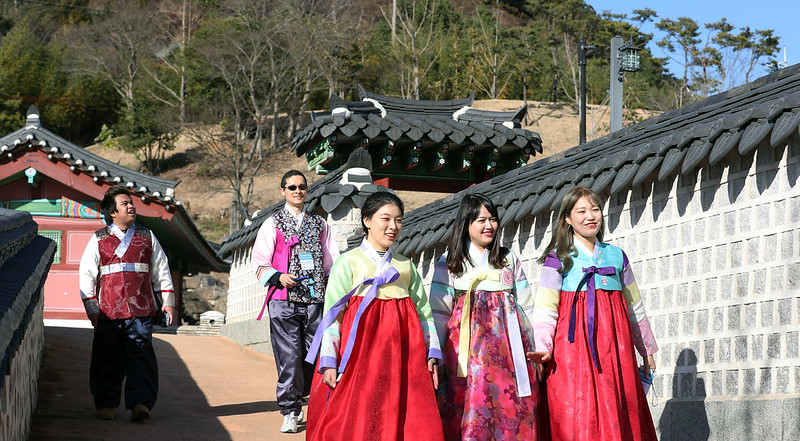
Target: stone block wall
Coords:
[(716, 254), (245, 299), (18, 387), (25, 259)]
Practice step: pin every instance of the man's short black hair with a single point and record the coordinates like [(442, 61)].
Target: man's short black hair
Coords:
[(291, 173), (109, 204)]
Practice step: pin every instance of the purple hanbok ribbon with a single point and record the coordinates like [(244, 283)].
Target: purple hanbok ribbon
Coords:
[(588, 278), (389, 276)]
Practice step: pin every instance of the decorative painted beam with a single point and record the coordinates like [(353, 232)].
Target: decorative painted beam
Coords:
[(413, 160), (466, 158), (524, 155), (322, 153), (388, 154), (491, 160), (441, 156)]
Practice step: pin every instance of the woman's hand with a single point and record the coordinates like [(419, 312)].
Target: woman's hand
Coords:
[(329, 377), (433, 368), (649, 365), (540, 358)]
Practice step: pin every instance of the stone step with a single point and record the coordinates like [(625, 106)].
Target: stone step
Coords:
[(202, 329)]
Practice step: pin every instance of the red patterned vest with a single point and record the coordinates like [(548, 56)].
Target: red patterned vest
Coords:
[(125, 287)]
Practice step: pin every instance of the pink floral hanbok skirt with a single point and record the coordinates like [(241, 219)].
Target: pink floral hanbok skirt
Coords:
[(485, 405)]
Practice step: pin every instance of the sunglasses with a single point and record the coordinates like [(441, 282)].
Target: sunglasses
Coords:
[(302, 187)]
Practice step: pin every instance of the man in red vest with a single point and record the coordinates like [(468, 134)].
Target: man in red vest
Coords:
[(122, 270)]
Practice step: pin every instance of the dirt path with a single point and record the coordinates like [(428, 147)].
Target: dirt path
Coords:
[(210, 389)]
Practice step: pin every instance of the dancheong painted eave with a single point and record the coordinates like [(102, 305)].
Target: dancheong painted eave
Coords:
[(157, 206), (445, 145)]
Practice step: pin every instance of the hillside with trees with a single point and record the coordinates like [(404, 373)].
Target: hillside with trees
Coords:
[(238, 77)]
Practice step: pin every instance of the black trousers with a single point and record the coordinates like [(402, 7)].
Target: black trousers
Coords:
[(123, 349), (292, 328)]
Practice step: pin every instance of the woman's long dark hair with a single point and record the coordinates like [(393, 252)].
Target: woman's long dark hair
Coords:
[(458, 246), (561, 241)]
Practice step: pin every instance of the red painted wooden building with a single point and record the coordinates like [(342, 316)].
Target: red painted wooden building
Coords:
[(61, 185)]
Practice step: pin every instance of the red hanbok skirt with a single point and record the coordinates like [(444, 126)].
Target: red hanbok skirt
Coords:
[(603, 403), (386, 391)]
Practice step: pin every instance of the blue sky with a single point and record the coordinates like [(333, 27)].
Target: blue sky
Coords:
[(778, 15)]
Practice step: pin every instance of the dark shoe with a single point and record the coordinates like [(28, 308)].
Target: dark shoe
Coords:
[(106, 413), (140, 413)]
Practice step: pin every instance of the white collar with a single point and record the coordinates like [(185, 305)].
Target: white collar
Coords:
[(478, 257), (383, 262), (297, 217), (582, 248), (124, 238)]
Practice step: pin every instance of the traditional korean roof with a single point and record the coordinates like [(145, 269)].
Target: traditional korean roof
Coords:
[(759, 115), (25, 258), (324, 196), (34, 135), (172, 224), (444, 141)]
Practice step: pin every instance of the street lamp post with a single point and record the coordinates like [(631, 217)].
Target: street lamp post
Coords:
[(624, 58)]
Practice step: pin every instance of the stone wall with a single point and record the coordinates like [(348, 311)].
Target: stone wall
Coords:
[(202, 293), (245, 299), (25, 259), (18, 386), (717, 257)]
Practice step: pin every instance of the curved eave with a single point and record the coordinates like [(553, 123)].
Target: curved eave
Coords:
[(81, 160), (761, 114)]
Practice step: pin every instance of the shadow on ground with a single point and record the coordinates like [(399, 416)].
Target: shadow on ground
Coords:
[(65, 410)]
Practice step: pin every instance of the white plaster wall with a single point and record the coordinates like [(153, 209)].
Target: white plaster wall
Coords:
[(245, 295), (716, 254)]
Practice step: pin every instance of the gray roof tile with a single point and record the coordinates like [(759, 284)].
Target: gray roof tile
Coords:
[(200, 256), (25, 258), (765, 112)]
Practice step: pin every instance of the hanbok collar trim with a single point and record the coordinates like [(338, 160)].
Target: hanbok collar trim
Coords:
[(478, 257), (125, 238), (579, 244), (382, 262), (298, 217)]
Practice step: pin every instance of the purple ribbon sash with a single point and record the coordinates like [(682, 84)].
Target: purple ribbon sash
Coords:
[(588, 278), (389, 276)]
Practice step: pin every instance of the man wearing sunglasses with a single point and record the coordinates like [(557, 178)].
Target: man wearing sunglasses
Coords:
[(292, 256)]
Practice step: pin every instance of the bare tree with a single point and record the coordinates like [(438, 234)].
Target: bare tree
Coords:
[(261, 59), (493, 73), (416, 46), (322, 30), (116, 47), (170, 73), (234, 154)]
